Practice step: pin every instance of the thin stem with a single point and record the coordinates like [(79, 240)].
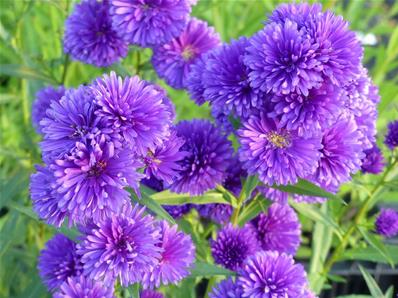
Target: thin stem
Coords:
[(66, 65), (235, 214)]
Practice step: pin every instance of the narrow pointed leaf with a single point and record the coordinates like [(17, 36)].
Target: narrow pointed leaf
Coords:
[(304, 187)]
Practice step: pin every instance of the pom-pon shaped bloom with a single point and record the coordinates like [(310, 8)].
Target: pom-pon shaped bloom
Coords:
[(271, 274), (219, 213), (123, 246), (58, 261), (177, 255), (373, 162), (177, 211), (226, 289), (81, 286), (391, 139), (194, 84), (279, 229), (232, 246), (300, 13), (172, 61), (387, 223), (89, 36)]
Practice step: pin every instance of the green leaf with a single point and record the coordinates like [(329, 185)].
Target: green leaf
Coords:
[(371, 254), (167, 197), (25, 72), (390, 292), (377, 244), (209, 270), (304, 187), (134, 290), (355, 296), (248, 186), (371, 283), (259, 204)]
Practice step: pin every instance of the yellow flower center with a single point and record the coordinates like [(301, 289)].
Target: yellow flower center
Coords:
[(278, 140), (188, 53)]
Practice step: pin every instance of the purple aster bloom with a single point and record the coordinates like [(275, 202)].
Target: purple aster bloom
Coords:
[(300, 13), (282, 59), (123, 246), (150, 294), (43, 101), (177, 255), (89, 36), (387, 223), (91, 179), (279, 229), (341, 154), (67, 121), (373, 161), (219, 213), (223, 119), (271, 274), (273, 194), (177, 211), (208, 157), (391, 139), (226, 289), (172, 61), (80, 286), (150, 22), (153, 183), (163, 162), (44, 198), (233, 245), (226, 80), (278, 155), (234, 175), (135, 109), (194, 82), (58, 261)]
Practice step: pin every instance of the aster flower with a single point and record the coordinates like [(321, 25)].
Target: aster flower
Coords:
[(91, 179), (282, 59), (58, 261), (300, 13), (153, 183), (219, 213), (135, 109), (43, 101), (44, 198), (89, 36), (279, 156), (226, 289), (234, 175), (232, 246), (387, 223), (123, 246), (373, 161), (150, 294), (391, 139), (271, 274), (177, 211), (177, 255), (80, 286), (194, 83), (226, 80), (162, 163), (172, 61), (279, 229), (208, 155), (150, 22)]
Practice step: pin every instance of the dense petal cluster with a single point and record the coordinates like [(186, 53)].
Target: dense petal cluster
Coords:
[(177, 211), (81, 286), (391, 139), (387, 223), (89, 36), (150, 294), (219, 213), (373, 162), (226, 289)]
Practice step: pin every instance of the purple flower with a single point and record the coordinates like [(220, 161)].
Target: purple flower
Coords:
[(177, 211), (373, 161), (135, 109), (279, 156), (150, 22), (163, 162), (232, 246), (226, 289), (219, 213), (391, 139), (282, 59), (273, 194), (44, 198), (42, 102), (89, 36), (234, 175), (150, 294), (341, 154), (58, 261), (387, 223), (271, 274), (226, 80), (278, 230), (80, 286), (91, 179), (194, 82), (123, 246), (177, 255), (172, 61), (153, 183), (208, 156), (300, 13)]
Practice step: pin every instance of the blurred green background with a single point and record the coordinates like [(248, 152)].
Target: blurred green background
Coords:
[(31, 56)]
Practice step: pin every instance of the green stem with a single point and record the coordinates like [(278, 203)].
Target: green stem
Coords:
[(235, 214), (66, 65)]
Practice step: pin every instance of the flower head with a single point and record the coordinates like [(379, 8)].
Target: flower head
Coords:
[(177, 255), (123, 246), (226, 289), (150, 22), (172, 61), (208, 156), (391, 139), (271, 274), (387, 223), (194, 84), (219, 213), (373, 161), (58, 261), (81, 286), (89, 36), (300, 13), (232, 246), (43, 101), (278, 155), (177, 211)]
